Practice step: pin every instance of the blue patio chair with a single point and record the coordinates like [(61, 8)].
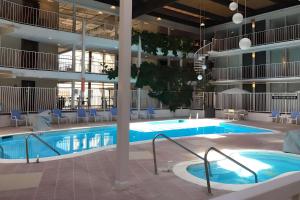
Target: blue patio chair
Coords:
[(93, 114), (150, 112), (81, 114), (275, 115), (16, 116), (113, 113), (294, 117), (57, 114)]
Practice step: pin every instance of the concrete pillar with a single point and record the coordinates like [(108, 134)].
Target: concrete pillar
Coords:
[(83, 61), (122, 151)]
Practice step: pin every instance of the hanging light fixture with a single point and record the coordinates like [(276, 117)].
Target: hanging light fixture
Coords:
[(204, 67), (245, 43), (233, 6), (237, 18), (199, 77)]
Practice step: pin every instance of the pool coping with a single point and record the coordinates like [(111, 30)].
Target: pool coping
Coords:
[(180, 170), (110, 147)]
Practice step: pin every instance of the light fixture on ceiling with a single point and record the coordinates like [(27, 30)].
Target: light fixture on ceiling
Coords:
[(245, 43), (233, 6), (204, 67), (113, 7), (202, 24), (100, 12), (158, 19)]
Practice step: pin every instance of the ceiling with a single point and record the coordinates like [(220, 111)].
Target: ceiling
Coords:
[(192, 12)]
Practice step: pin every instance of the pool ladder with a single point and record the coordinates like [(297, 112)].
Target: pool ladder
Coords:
[(205, 159), (2, 152), (39, 139)]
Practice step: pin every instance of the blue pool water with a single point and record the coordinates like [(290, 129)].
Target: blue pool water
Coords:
[(77, 140), (267, 165)]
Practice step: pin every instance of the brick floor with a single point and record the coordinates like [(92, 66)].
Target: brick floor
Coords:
[(91, 177)]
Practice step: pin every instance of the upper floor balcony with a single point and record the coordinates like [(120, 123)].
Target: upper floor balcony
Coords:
[(19, 13), (270, 36), (285, 70), (50, 65)]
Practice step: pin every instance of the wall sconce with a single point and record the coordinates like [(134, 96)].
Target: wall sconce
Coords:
[(253, 85), (253, 55)]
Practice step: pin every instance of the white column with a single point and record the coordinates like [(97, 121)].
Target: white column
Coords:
[(169, 59), (73, 70), (122, 151), (83, 61), (139, 66)]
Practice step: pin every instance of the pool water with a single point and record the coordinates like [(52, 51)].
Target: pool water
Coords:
[(77, 140), (266, 164)]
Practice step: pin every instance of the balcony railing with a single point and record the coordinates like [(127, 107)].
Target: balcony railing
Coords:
[(53, 20), (265, 71), (270, 36), (20, 59), (28, 99)]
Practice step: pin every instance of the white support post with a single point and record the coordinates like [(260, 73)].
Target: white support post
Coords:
[(123, 119), (83, 62), (139, 66), (73, 70)]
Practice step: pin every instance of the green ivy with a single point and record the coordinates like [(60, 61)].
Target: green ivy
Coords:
[(151, 42), (168, 84)]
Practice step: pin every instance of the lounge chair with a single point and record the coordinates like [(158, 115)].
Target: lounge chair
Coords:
[(57, 114), (81, 114), (16, 116), (134, 114), (94, 115), (294, 117), (113, 113), (150, 113), (275, 115)]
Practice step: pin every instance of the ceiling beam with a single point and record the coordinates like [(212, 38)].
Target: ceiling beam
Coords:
[(197, 11), (226, 3), (147, 6), (174, 19), (279, 4)]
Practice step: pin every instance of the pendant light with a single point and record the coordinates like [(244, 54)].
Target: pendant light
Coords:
[(245, 43), (233, 6), (237, 18)]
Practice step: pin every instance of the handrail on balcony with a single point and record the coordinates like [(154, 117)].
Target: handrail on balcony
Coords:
[(19, 13)]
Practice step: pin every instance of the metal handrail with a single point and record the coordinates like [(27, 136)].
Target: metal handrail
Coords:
[(39, 139), (171, 140), (2, 152), (207, 167)]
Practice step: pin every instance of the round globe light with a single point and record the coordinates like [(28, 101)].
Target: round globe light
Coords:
[(237, 18), (233, 6), (200, 77), (204, 67), (245, 43)]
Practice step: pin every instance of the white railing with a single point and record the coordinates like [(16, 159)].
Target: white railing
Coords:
[(270, 36), (54, 20), (275, 70), (201, 53), (34, 99), (283, 188), (21, 59)]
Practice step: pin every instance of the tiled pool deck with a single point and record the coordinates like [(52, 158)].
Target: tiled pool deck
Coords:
[(91, 177)]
